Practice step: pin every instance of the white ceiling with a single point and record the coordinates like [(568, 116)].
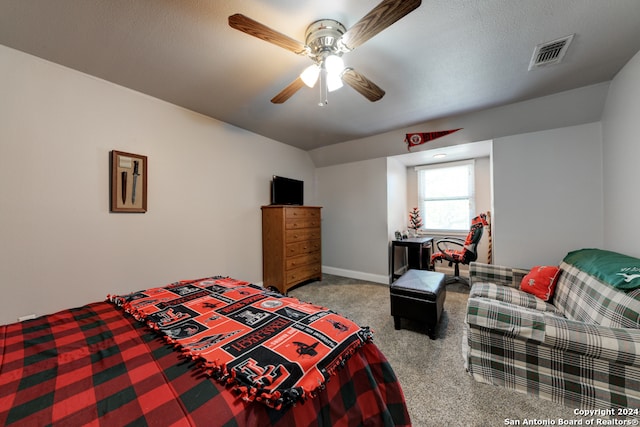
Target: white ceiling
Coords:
[(448, 57)]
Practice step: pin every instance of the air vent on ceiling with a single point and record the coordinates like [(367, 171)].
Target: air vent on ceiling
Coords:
[(550, 52)]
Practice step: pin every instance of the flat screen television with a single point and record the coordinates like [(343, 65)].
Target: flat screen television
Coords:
[(287, 191)]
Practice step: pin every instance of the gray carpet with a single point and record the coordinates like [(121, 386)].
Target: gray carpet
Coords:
[(438, 390)]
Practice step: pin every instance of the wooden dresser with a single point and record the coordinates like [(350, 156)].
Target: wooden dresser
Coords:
[(291, 249)]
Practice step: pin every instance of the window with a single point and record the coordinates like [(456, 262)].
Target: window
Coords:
[(446, 196)]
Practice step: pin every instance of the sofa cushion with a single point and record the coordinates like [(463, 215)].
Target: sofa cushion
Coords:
[(582, 297), (509, 319), (540, 281), (510, 295)]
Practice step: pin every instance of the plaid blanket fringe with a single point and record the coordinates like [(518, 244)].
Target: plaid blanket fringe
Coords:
[(274, 399), (248, 391)]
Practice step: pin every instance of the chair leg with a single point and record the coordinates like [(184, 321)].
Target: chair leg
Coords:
[(456, 276), (462, 280), (454, 279), (450, 279)]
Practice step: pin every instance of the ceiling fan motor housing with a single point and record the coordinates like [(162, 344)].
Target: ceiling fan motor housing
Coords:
[(322, 38)]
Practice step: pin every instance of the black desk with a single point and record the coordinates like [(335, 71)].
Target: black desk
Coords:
[(418, 253)]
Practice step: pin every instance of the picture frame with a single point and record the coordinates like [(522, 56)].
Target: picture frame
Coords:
[(128, 182)]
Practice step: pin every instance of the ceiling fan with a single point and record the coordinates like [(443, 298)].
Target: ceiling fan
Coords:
[(325, 42)]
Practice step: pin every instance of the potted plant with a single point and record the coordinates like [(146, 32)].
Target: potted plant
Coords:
[(415, 221)]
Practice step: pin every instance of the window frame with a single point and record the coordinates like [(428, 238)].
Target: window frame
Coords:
[(470, 164)]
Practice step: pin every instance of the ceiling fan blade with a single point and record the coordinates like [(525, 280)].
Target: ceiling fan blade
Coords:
[(288, 91), (379, 18), (261, 31), (363, 85)]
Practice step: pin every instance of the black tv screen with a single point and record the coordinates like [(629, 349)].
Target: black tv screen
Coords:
[(286, 191)]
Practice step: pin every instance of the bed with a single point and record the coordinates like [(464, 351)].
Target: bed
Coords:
[(207, 352)]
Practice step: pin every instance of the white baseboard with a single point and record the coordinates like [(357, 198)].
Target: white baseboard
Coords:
[(377, 278)]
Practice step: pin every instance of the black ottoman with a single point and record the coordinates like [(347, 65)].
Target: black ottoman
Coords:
[(418, 295)]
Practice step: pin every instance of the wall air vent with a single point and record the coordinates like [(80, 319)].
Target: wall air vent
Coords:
[(550, 52)]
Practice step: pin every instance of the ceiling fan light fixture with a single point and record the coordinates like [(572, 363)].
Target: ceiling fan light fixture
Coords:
[(334, 64), (310, 75), (334, 81)]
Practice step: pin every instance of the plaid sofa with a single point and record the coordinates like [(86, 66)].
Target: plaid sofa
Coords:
[(581, 349)]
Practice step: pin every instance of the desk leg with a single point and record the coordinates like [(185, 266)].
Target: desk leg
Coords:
[(394, 276), (393, 263), (425, 257)]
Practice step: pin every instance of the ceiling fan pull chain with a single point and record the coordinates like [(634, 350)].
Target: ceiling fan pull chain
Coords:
[(323, 87)]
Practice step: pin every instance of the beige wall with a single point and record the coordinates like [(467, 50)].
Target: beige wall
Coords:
[(397, 196), (354, 219), (547, 192), (621, 157), (60, 246)]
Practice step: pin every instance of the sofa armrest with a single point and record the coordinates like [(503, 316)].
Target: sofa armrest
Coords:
[(498, 274), (509, 319), (618, 345)]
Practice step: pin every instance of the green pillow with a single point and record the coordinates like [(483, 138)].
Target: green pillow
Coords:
[(620, 271)]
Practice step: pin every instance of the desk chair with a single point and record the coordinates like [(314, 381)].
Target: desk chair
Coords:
[(457, 251)]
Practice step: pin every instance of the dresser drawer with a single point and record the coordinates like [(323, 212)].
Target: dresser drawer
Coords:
[(302, 260), (299, 235), (301, 274), (295, 223), (304, 213), (300, 248)]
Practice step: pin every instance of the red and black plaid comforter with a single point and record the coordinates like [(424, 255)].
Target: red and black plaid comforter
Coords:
[(94, 365)]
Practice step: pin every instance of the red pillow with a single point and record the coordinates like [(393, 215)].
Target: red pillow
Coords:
[(540, 281)]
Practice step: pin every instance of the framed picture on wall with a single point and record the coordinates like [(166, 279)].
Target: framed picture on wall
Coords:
[(128, 182)]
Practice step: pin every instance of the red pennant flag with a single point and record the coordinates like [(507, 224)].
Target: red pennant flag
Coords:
[(414, 139)]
